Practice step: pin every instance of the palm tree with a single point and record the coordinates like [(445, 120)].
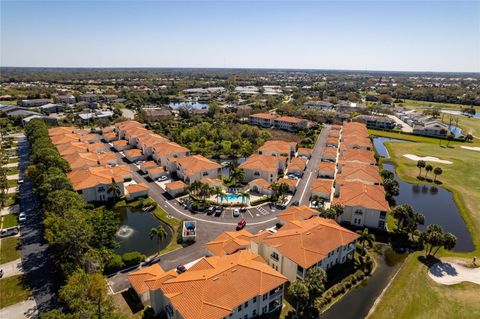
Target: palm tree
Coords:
[(421, 164), (365, 238), (160, 234), (195, 187), (237, 175), (449, 138), (428, 168), (245, 196), (217, 191), (437, 171), (205, 191), (115, 189)]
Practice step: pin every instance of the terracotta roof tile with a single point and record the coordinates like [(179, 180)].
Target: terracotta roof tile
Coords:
[(359, 194)]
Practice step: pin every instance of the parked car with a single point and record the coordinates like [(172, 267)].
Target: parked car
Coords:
[(236, 212), (295, 203), (210, 210), (241, 224), (20, 181), (181, 269), (9, 232), (243, 210), (162, 178), (22, 217), (218, 211)]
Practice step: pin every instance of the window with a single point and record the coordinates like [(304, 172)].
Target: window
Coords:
[(264, 310), (239, 308), (245, 317), (254, 313), (246, 304), (274, 256), (256, 174), (383, 215), (265, 296), (254, 299), (205, 173)]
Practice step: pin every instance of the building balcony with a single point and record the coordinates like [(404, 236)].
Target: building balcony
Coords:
[(275, 293)]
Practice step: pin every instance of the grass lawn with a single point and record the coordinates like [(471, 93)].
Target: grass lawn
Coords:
[(13, 160), (422, 105), (12, 291), (414, 295), (12, 199), (12, 170), (286, 309), (10, 220), (9, 249), (12, 182)]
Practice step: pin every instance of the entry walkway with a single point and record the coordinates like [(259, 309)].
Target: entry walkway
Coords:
[(12, 268)]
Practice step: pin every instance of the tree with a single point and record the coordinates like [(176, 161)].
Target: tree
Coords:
[(236, 175), (334, 212), (435, 238), (115, 189), (195, 187), (428, 168), (105, 225), (407, 219), (3, 186), (420, 164), (468, 137), (315, 281), (365, 238), (205, 191), (437, 171), (63, 200), (217, 191), (245, 196), (450, 138), (160, 234), (298, 290)]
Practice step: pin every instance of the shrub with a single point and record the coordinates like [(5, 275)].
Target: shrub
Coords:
[(259, 201), (132, 258), (114, 264)]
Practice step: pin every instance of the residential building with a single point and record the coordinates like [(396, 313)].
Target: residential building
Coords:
[(156, 172), (136, 191), (322, 188), (64, 99), (51, 108), (88, 159), (292, 183), (260, 186), (94, 183), (319, 105), (432, 128), (359, 156), (145, 166), (329, 154), (195, 167), (327, 169), (376, 122), (262, 119), (237, 286), (176, 188), (134, 155), (139, 278), (266, 167), (293, 213), (212, 182), (121, 145), (88, 97), (278, 148), (304, 152), (364, 205), (354, 172), (167, 153), (34, 102), (292, 124)]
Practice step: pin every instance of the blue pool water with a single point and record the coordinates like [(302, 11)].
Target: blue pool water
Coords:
[(194, 105)]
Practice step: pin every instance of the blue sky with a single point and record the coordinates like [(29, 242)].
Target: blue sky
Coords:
[(363, 35)]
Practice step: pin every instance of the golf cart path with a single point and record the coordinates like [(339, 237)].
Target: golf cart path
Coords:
[(451, 273)]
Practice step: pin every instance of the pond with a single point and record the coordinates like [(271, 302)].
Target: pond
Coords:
[(194, 105), (134, 232), (456, 112), (434, 202), (357, 303), (437, 205), (378, 142)]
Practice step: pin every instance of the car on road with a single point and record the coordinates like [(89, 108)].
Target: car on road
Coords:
[(236, 212), (162, 178), (22, 217), (295, 203), (181, 269), (20, 181), (241, 224)]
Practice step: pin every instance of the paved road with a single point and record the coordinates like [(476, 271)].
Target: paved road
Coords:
[(12, 268), (39, 273), (302, 195)]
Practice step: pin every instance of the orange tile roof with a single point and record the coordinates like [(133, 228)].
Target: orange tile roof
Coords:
[(354, 172), (359, 194), (211, 181), (332, 140), (289, 119), (100, 175), (277, 146), (107, 129), (135, 188), (228, 243), (151, 139), (97, 147), (304, 150), (151, 273), (156, 170), (126, 124), (110, 135), (308, 241), (336, 127), (195, 164), (176, 185), (148, 164), (73, 147), (168, 148), (89, 138), (62, 130), (266, 163), (357, 155), (326, 167), (215, 286), (329, 151), (120, 143), (260, 182), (65, 138), (267, 116), (354, 141), (133, 152), (297, 213), (86, 159), (322, 185), (288, 181), (335, 134)]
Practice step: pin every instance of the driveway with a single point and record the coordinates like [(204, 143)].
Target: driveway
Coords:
[(21, 310), (12, 268), (302, 195), (405, 127)]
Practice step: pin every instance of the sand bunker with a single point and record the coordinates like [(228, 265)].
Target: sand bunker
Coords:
[(472, 148), (450, 273), (426, 158)]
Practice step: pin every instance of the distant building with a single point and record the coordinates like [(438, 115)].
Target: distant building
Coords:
[(64, 99), (155, 114), (34, 102), (318, 105), (51, 108), (376, 122), (89, 97), (432, 128)]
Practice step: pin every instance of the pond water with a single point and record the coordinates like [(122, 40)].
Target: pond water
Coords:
[(437, 205), (378, 142), (194, 105), (455, 112), (434, 202), (134, 232), (357, 303)]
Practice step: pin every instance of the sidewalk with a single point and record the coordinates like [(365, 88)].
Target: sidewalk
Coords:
[(14, 209), (21, 310), (12, 268), (13, 177), (10, 165)]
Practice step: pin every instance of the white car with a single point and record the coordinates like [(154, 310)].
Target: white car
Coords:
[(22, 217), (162, 178), (236, 212)]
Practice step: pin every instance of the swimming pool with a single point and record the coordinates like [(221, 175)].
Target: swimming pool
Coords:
[(234, 198)]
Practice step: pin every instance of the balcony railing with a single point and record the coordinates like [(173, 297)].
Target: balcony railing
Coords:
[(275, 294)]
